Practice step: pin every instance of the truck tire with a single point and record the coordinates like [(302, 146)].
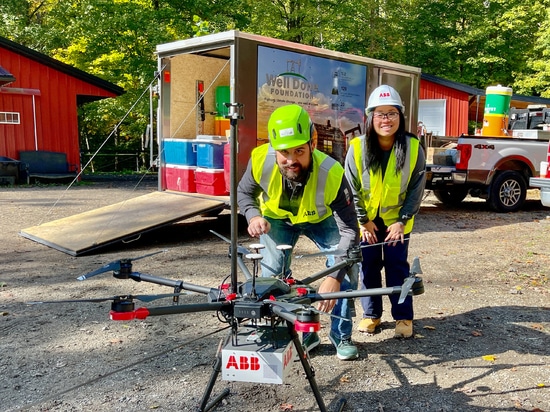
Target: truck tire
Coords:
[(451, 197), (507, 192)]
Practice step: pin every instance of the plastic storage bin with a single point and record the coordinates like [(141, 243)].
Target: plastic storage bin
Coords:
[(210, 154), (210, 181), (180, 152), (180, 178)]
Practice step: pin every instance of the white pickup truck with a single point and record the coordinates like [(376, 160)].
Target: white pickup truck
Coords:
[(496, 169)]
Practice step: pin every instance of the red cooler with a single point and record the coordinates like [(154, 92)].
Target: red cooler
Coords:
[(210, 181), (180, 178)]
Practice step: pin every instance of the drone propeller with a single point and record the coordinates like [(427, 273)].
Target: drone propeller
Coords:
[(114, 266), (415, 267), (143, 298), (409, 282)]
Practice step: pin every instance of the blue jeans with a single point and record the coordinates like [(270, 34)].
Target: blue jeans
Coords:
[(393, 259), (326, 236)]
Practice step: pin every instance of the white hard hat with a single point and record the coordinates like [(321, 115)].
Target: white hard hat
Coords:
[(384, 96)]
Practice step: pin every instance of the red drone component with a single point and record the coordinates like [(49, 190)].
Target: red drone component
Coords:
[(301, 291), (231, 296), (307, 326), (290, 281), (139, 313)]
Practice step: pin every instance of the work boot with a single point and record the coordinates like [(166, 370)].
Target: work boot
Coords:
[(310, 341), (368, 325), (345, 349), (403, 329)]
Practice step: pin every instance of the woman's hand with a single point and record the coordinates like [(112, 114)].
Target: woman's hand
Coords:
[(368, 232), (396, 233)]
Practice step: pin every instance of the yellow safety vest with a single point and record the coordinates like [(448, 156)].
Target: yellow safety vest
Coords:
[(385, 195), (319, 192)]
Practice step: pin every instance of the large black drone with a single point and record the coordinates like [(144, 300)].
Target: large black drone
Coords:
[(265, 314)]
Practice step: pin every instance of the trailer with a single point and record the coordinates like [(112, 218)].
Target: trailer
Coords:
[(199, 80), (199, 75)]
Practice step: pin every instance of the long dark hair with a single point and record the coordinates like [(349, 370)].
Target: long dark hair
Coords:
[(372, 151)]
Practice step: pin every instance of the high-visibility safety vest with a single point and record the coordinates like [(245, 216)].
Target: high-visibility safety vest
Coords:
[(385, 195), (319, 192)]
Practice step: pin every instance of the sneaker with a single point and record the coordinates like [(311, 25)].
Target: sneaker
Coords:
[(403, 329), (368, 325), (345, 349), (310, 341)]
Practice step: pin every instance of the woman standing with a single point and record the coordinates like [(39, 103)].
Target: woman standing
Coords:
[(386, 169)]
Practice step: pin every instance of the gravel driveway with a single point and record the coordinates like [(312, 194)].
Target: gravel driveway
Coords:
[(481, 331)]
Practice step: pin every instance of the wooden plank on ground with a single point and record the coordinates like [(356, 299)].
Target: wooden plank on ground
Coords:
[(90, 230)]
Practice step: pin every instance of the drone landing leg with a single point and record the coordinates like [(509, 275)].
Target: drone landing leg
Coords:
[(204, 406), (307, 367)]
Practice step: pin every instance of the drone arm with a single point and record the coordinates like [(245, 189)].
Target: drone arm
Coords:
[(413, 285), (243, 268), (284, 313), (190, 308), (143, 313), (314, 297), (326, 272), (138, 277)]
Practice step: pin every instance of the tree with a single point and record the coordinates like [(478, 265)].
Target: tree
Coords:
[(535, 79)]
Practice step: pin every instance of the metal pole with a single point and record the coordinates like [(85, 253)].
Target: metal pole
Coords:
[(234, 149)]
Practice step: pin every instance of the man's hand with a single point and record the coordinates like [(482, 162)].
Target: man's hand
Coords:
[(329, 285), (258, 226)]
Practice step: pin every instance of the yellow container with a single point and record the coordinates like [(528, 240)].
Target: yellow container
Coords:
[(497, 108)]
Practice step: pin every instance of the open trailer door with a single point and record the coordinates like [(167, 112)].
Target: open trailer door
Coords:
[(97, 228)]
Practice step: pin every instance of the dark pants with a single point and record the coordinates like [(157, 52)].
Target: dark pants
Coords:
[(393, 259)]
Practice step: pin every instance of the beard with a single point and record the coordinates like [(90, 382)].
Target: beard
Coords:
[(297, 175)]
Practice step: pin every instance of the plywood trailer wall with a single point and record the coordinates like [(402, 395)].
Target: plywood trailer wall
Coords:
[(186, 70)]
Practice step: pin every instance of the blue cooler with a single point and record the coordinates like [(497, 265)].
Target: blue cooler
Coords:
[(210, 154), (180, 152)]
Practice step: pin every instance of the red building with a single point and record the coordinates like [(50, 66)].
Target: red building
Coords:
[(446, 106), (39, 98)]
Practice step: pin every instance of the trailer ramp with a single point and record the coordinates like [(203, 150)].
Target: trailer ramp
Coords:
[(84, 232)]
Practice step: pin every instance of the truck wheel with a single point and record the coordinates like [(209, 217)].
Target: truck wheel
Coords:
[(508, 191), (451, 197)]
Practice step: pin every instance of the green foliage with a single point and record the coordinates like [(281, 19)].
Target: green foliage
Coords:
[(475, 42)]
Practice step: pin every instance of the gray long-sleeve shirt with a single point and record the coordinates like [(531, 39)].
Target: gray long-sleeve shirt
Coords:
[(342, 207)]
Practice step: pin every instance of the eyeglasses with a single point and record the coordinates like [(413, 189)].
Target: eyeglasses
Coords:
[(389, 115)]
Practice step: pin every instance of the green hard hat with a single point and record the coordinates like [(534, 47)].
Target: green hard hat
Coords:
[(289, 126)]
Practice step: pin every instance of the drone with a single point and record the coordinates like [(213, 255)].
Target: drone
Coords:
[(265, 315)]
